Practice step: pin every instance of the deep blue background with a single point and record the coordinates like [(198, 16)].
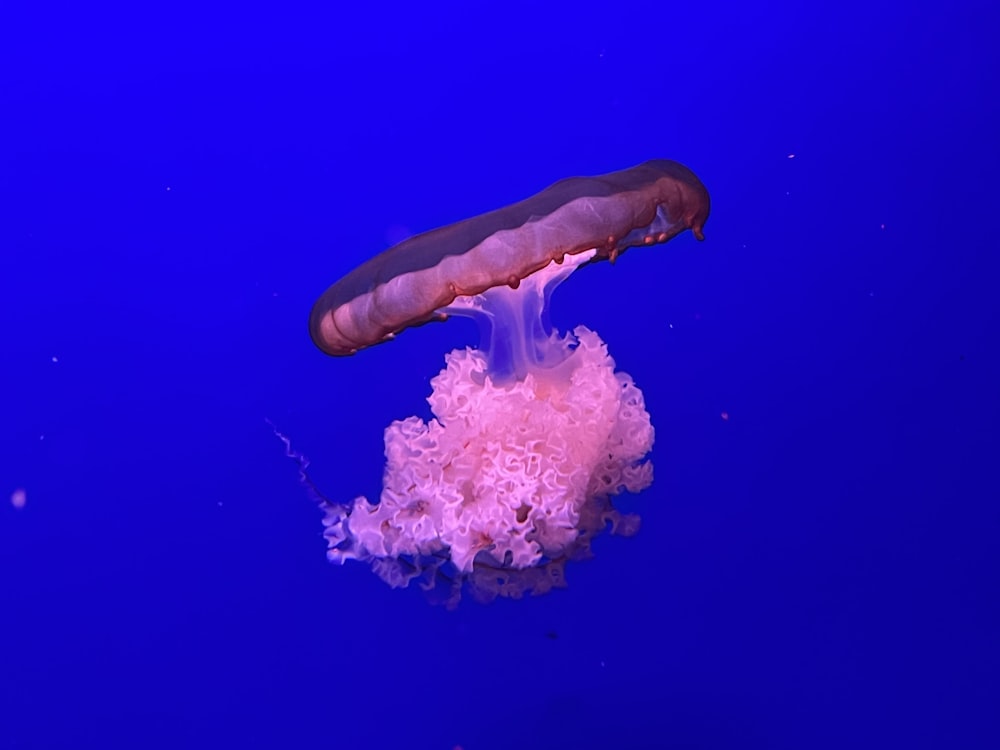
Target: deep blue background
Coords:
[(178, 186)]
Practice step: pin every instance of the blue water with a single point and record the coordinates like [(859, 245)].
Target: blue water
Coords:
[(817, 564)]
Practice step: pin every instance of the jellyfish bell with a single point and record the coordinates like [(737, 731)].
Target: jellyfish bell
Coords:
[(534, 431), (419, 279)]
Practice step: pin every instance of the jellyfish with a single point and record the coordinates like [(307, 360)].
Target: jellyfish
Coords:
[(533, 432)]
